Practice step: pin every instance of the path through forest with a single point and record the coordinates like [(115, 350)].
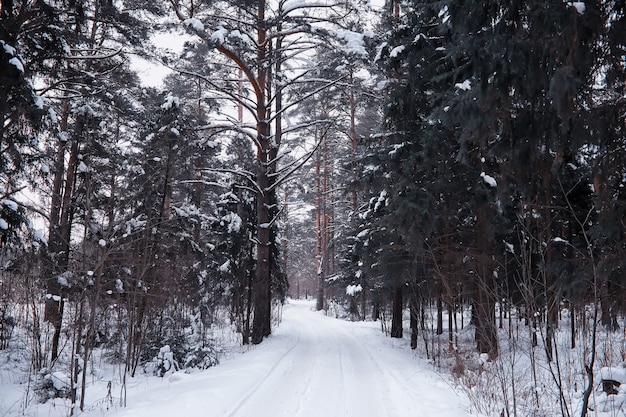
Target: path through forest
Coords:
[(313, 366)]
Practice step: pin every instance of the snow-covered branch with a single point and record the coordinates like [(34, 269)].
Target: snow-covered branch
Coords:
[(94, 57), (296, 165), (271, 222), (306, 96), (224, 127), (249, 176), (230, 95)]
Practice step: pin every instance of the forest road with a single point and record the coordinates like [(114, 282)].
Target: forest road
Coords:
[(312, 366)]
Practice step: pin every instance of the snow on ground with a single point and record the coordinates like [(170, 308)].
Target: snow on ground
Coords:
[(312, 365)]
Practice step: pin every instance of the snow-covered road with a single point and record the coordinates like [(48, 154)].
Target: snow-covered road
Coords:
[(313, 366)]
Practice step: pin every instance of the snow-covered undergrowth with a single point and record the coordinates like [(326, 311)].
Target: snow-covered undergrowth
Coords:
[(521, 381), (26, 390), (312, 365)]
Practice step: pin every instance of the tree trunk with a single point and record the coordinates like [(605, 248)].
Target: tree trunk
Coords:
[(396, 317), (450, 327), (61, 213), (319, 232), (439, 313), (484, 303), (261, 322), (265, 198), (261, 326), (414, 311)]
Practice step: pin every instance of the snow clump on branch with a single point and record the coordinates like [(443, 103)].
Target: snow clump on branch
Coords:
[(194, 23), (355, 42), (578, 5), (353, 289), (465, 85), (219, 36), (170, 101), (489, 180)]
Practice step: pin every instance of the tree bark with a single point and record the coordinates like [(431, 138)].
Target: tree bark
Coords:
[(60, 227), (414, 311), (261, 297), (319, 232), (396, 317), (484, 303)]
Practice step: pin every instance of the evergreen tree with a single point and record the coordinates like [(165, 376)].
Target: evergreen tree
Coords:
[(260, 42)]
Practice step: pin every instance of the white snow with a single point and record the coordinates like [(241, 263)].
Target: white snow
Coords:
[(219, 36), (397, 51), (10, 204), (578, 5), (8, 48), (354, 41), (312, 365), (465, 85), (489, 180), (363, 74), (353, 289), (102, 243), (52, 115), (225, 267), (38, 235), (3, 224), (290, 5), (38, 101), (63, 279), (235, 34), (396, 147), (60, 381), (509, 247), (363, 234), (234, 222), (170, 101), (85, 110), (82, 167), (194, 23), (381, 85), (382, 199), (15, 61), (616, 373)]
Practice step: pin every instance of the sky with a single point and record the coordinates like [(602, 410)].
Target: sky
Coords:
[(151, 72)]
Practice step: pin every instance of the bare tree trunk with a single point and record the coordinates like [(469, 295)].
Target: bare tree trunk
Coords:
[(319, 231), (414, 311), (486, 332), (59, 241), (439, 329), (396, 316)]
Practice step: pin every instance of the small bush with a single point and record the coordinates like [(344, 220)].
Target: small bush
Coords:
[(52, 385), (201, 357)]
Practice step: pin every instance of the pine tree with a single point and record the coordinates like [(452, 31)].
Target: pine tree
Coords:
[(259, 42)]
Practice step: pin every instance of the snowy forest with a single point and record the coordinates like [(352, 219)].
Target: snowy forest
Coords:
[(172, 173)]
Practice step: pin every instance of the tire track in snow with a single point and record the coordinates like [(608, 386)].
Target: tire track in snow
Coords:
[(312, 366), (362, 380), (252, 391), (417, 384)]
